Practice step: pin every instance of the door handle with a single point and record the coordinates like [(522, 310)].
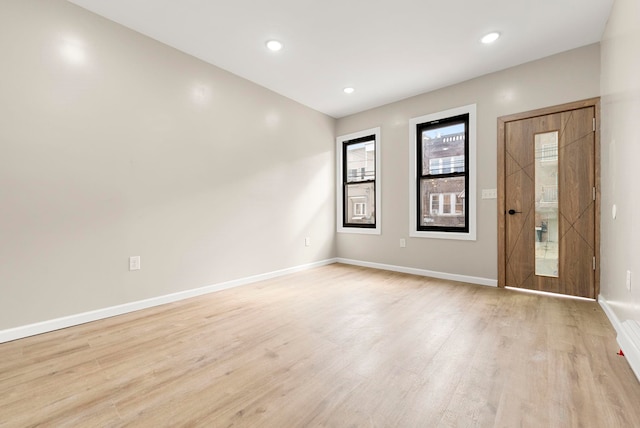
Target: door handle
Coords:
[(512, 212)]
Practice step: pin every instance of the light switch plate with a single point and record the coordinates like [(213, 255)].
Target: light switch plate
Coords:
[(489, 193)]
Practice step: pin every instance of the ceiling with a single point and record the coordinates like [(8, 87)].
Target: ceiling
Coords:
[(386, 49)]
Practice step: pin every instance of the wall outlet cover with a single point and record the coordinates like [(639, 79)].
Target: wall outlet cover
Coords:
[(629, 280), (134, 263)]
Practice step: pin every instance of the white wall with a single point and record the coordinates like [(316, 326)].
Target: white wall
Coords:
[(113, 145), (562, 78), (620, 87)]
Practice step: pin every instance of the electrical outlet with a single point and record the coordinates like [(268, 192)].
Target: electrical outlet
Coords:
[(134, 263), (403, 243), (307, 241), (629, 280)]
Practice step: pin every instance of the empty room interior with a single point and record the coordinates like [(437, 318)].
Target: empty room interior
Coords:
[(336, 214)]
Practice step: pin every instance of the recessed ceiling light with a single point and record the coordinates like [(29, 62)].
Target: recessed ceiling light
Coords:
[(490, 38), (274, 45), (348, 90)]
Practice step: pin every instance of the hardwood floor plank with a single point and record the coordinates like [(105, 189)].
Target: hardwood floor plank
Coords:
[(336, 346)]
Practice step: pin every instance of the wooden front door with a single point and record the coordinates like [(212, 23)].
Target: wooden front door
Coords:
[(547, 197)]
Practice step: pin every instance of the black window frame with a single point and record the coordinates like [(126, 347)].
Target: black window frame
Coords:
[(346, 183), (425, 126)]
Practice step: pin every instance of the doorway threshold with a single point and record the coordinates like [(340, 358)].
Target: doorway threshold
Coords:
[(546, 293)]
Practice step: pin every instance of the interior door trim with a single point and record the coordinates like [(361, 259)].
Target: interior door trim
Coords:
[(502, 121)]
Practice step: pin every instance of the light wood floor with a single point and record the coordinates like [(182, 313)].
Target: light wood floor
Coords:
[(337, 346)]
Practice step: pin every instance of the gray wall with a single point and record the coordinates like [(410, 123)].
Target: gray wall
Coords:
[(562, 78), (138, 149), (620, 153)]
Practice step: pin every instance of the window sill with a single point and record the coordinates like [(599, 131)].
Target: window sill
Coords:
[(469, 236), (359, 230)]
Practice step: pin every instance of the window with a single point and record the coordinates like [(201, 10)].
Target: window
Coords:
[(446, 204), (358, 173), (549, 153), (445, 164), (360, 209), (442, 150)]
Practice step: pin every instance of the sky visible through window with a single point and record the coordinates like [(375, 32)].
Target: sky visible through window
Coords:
[(444, 131)]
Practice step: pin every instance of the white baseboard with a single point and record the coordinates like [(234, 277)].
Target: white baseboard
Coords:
[(629, 341), (628, 336), (85, 317), (615, 322), (422, 272)]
